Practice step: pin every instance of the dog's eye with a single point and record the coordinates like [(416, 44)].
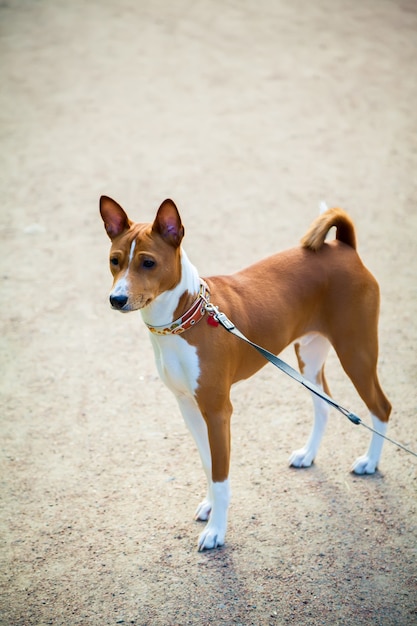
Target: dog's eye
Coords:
[(148, 263), (114, 261)]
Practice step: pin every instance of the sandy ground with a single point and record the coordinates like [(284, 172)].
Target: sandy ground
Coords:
[(247, 114)]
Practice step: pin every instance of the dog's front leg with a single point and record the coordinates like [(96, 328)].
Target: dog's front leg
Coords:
[(214, 533), (217, 417), (212, 436), (198, 428)]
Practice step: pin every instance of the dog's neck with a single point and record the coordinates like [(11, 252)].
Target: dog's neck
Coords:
[(164, 308)]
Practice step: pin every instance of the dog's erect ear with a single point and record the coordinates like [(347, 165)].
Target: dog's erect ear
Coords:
[(168, 223), (115, 219)]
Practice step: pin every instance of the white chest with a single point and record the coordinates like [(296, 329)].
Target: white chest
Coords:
[(178, 364)]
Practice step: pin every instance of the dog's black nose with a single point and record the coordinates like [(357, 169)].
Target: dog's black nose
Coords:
[(118, 302)]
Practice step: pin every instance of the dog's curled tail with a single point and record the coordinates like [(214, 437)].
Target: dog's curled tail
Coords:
[(316, 234)]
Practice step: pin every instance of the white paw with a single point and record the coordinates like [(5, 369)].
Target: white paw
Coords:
[(301, 458), (203, 511), (211, 537), (364, 465)]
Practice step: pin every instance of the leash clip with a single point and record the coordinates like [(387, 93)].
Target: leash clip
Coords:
[(219, 316), (224, 321)]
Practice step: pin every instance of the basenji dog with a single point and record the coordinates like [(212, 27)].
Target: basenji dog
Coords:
[(313, 295)]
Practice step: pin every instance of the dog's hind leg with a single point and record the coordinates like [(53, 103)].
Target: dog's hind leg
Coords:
[(360, 365), (311, 352)]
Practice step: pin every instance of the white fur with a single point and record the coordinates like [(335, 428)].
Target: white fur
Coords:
[(132, 251), (198, 428), (368, 463), (215, 531), (121, 288), (177, 363), (323, 207), (313, 351)]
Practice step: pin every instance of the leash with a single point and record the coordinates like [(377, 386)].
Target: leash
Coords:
[(224, 321)]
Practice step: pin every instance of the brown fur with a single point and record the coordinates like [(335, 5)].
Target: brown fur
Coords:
[(316, 234)]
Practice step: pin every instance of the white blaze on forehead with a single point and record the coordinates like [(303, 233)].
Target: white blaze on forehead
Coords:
[(132, 251)]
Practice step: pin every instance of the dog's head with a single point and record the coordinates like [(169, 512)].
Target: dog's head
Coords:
[(145, 259)]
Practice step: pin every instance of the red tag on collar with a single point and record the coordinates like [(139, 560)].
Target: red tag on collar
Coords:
[(212, 321)]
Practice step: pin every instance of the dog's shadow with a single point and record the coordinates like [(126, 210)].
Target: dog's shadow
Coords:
[(218, 570)]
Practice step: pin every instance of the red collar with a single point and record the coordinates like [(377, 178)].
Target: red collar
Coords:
[(190, 318)]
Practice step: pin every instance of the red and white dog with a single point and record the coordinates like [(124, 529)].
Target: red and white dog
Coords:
[(314, 295)]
